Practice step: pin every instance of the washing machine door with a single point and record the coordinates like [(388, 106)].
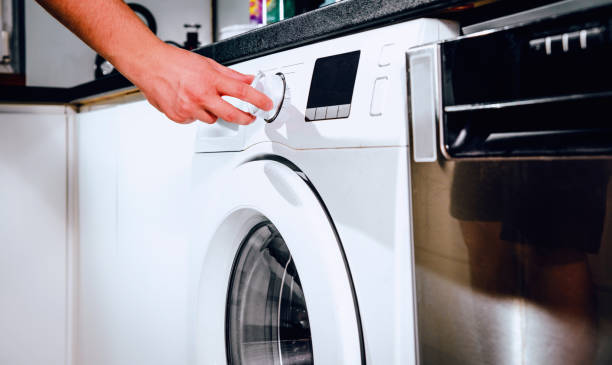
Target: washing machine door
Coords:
[(275, 287), (267, 315)]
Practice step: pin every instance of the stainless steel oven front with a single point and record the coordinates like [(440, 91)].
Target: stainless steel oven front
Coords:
[(511, 196)]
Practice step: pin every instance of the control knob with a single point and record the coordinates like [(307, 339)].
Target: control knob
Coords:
[(273, 86)]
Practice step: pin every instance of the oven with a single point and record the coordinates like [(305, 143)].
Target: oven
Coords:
[(511, 131)]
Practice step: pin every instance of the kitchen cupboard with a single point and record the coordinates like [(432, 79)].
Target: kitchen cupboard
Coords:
[(34, 235), (134, 192), (94, 234)]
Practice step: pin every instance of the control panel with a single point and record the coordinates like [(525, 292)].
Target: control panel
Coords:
[(346, 92), (331, 87)]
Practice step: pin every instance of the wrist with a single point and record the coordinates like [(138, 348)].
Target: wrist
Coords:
[(136, 62)]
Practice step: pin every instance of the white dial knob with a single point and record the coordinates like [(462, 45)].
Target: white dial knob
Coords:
[(273, 86)]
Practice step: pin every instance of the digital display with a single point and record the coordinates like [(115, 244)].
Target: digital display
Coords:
[(333, 80)]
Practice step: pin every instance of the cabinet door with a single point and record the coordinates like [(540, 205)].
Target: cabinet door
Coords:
[(97, 136), (33, 235), (154, 178), (134, 191)]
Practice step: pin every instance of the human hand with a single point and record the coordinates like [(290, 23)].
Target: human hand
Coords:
[(186, 87), (183, 85)]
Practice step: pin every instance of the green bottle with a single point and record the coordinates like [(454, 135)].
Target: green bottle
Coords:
[(289, 8), (272, 11)]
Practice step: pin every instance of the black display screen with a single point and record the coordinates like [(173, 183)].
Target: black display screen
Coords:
[(333, 80)]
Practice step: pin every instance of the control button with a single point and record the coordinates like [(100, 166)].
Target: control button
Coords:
[(569, 42), (344, 110), (550, 45), (378, 96), (556, 44), (385, 55), (310, 114), (332, 112), (274, 86), (583, 39), (320, 113), (537, 45), (565, 42)]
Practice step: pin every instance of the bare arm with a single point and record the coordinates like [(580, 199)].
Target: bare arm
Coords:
[(181, 84)]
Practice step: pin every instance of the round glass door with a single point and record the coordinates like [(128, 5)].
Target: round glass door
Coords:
[(266, 316)]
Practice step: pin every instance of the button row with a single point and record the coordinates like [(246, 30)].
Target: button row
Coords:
[(328, 112), (567, 41)]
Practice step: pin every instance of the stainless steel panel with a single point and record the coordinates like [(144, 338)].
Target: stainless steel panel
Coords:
[(546, 11), (513, 261)]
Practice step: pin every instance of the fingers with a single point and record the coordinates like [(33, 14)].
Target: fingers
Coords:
[(229, 113), (219, 108), (204, 116), (245, 92), (231, 73)]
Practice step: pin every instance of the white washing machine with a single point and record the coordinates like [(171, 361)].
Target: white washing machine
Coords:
[(302, 248)]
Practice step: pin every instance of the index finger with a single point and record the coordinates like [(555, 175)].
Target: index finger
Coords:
[(242, 91), (231, 72)]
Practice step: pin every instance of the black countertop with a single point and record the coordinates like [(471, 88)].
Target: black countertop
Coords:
[(342, 18)]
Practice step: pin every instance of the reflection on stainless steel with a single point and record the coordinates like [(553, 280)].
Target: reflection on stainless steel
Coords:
[(548, 11), (515, 103), (267, 320), (513, 261)]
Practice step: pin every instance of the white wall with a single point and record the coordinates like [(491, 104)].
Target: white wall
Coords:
[(232, 12), (55, 57), (33, 236)]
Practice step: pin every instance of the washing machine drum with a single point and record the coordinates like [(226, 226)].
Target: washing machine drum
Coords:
[(267, 318)]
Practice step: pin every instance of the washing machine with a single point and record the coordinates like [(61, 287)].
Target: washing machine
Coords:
[(301, 251)]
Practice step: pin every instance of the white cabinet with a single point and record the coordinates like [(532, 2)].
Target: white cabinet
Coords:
[(97, 196), (94, 233), (33, 235), (134, 202)]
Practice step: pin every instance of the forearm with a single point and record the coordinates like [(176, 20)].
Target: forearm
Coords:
[(183, 85), (111, 28)]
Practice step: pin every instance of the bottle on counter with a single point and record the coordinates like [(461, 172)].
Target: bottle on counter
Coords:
[(288, 9), (279, 10), (256, 11), (272, 11)]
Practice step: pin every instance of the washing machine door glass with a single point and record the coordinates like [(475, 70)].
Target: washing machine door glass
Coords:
[(267, 320)]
